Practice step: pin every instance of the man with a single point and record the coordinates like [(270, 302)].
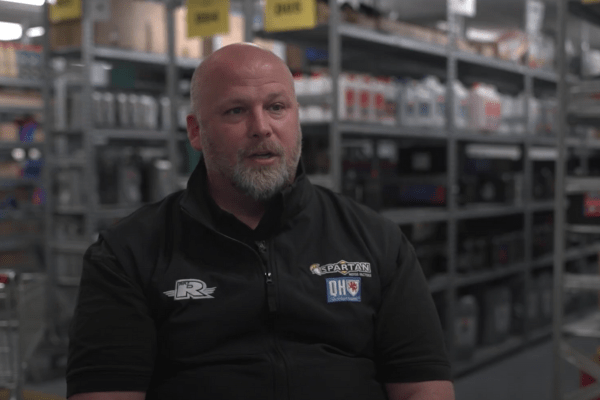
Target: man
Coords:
[(253, 283)]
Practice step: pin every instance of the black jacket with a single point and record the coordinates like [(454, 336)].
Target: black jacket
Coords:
[(329, 305)]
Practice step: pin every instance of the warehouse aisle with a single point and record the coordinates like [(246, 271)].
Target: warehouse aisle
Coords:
[(523, 376)]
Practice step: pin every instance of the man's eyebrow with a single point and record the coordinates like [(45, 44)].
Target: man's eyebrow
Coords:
[(274, 95)]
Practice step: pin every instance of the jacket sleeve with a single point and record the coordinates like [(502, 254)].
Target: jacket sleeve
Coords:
[(409, 339), (112, 336)]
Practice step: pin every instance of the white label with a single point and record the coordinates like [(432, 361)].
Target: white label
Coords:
[(535, 16), (463, 7), (101, 10)]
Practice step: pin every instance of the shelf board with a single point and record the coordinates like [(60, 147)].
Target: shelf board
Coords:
[(581, 281), (589, 143), (66, 246), (16, 242), (585, 229), (68, 281), (489, 137), (12, 182), (65, 162), (6, 145), (142, 57), (544, 140), (588, 326), (413, 215), (101, 136), (118, 211), (543, 261), (577, 253), (357, 33), (314, 99), (539, 206), (20, 110), (540, 333), (492, 274), (544, 74), (21, 83), (488, 210), (495, 63), (575, 184), (487, 354), (438, 283), (392, 130), (71, 210)]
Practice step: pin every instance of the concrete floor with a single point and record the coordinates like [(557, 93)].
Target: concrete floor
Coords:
[(524, 376)]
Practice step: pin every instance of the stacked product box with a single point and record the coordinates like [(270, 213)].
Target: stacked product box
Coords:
[(20, 61)]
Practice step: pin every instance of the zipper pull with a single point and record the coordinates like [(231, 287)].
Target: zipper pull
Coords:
[(262, 246), (270, 293), (269, 278)]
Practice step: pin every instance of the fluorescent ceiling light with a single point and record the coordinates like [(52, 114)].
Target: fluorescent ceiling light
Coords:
[(28, 2), (10, 31), (482, 35), (35, 31)]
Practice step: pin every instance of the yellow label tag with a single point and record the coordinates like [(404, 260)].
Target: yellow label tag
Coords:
[(590, 1), (64, 10), (207, 17), (289, 15)]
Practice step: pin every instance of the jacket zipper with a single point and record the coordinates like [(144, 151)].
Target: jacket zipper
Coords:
[(271, 299), (281, 390)]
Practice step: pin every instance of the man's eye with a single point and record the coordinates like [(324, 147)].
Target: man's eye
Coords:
[(277, 107), (236, 110)]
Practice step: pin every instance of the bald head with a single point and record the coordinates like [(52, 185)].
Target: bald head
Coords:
[(227, 62)]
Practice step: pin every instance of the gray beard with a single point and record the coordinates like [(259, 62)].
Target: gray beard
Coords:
[(261, 183), (264, 182)]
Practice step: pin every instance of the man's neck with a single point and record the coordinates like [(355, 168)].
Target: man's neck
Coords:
[(240, 205)]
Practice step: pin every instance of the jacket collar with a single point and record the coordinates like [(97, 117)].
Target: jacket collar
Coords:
[(294, 198)]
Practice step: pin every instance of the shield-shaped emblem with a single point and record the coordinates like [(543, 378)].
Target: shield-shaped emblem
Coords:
[(353, 286)]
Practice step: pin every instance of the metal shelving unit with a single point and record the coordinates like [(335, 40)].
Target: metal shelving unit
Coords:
[(343, 40), (586, 326), (92, 211)]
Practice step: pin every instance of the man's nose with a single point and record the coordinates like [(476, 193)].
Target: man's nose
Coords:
[(259, 124)]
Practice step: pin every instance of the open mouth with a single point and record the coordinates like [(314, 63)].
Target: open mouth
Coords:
[(263, 155)]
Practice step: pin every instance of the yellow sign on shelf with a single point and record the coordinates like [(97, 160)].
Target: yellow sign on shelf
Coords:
[(289, 15), (63, 10), (207, 17), (590, 1)]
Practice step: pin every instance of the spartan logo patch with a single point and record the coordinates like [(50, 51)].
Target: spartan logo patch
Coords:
[(343, 289), (342, 267), (190, 289)]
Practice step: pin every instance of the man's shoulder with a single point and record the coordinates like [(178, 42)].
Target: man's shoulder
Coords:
[(347, 208), (146, 226)]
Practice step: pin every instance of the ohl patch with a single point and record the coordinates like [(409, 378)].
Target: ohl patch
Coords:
[(343, 289)]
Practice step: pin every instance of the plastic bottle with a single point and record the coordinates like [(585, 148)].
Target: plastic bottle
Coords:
[(347, 97), (438, 94), (299, 83), (408, 106), (365, 97), (377, 110), (461, 105), (485, 108), (390, 95), (425, 104)]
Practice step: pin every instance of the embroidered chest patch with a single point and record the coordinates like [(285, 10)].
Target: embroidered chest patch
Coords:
[(343, 289)]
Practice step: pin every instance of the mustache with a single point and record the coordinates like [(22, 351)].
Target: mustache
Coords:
[(263, 147)]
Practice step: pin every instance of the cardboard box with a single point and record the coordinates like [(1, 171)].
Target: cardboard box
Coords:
[(134, 25), (512, 46), (322, 13), (9, 132), (184, 46)]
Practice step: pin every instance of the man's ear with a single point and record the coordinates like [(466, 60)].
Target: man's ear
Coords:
[(193, 132)]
